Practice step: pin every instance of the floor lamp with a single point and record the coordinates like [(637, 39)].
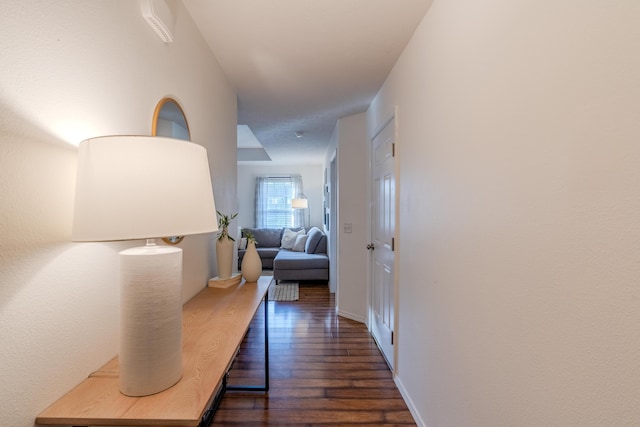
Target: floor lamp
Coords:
[(301, 202), (140, 187)]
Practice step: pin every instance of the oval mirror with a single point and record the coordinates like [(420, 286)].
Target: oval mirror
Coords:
[(169, 120)]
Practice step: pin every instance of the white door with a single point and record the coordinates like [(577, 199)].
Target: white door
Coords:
[(383, 185)]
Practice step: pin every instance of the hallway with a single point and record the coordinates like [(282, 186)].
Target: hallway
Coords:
[(325, 370)]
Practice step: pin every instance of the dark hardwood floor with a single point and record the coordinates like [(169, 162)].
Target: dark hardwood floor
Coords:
[(325, 370)]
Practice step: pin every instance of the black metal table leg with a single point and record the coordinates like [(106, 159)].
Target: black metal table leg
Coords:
[(207, 418), (264, 387)]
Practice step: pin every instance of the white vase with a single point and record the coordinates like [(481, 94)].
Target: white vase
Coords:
[(251, 263), (224, 256)]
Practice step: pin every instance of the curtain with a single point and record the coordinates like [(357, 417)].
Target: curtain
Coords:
[(273, 201)]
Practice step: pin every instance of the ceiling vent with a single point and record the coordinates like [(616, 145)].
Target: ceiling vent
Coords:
[(159, 17)]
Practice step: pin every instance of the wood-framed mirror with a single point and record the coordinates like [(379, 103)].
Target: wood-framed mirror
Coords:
[(169, 120)]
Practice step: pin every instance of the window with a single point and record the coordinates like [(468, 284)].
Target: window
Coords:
[(273, 201)]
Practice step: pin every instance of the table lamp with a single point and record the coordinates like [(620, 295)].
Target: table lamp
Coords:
[(142, 187)]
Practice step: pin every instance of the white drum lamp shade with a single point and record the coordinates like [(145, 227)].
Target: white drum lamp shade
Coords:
[(299, 203), (141, 187)]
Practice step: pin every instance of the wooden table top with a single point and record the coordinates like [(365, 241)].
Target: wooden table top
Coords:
[(214, 323)]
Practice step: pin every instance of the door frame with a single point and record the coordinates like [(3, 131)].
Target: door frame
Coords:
[(387, 118), (332, 211)]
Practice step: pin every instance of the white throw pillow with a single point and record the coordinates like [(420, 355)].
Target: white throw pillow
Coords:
[(298, 246), (289, 238), (243, 243)]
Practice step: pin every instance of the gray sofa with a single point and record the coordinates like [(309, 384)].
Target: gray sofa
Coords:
[(288, 264)]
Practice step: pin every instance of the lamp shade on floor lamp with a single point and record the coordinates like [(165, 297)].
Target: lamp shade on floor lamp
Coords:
[(301, 202)]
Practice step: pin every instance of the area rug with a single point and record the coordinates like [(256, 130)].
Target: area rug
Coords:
[(283, 291)]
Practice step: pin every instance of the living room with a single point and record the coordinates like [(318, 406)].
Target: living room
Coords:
[(312, 184)]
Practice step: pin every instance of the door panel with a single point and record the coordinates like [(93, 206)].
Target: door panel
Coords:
[(382, 308)]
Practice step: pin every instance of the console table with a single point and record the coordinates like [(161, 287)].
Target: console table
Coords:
[(215, 322)]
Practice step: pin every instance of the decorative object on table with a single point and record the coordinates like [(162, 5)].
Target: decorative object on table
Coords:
[(284, 291), (251, 263), (216, 282), (301, 202), (224, 246), (120, 195)]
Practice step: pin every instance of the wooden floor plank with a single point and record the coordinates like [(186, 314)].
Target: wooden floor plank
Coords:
[(326, 371)]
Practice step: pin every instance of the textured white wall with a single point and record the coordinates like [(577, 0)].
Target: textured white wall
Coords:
[(72, 70), (519, 213), (352, 209)]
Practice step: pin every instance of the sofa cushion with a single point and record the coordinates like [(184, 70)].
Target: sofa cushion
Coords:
[(322, 246), (289, 238), (313, 240), (263, 253), (290, 260), (300, 243), (266, 237), (267, 252)]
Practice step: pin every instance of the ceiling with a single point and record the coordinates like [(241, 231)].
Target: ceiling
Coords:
[(299, 65)]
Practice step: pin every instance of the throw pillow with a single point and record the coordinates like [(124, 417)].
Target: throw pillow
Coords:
[(313, 240), (243, 243), (298, 246), (289, 238)]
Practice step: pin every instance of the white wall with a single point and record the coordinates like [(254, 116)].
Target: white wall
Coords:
[(519, 260), (72, 70), (312, 182), (352, 211)]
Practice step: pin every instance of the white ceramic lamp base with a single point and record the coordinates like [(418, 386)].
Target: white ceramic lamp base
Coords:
[(150, 319)]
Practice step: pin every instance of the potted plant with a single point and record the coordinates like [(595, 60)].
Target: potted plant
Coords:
[(224, 245), (250, 237)]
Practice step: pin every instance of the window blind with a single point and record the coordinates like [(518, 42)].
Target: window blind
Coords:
[(273, 201)]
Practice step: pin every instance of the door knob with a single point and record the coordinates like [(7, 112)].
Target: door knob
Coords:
[(371, 246)]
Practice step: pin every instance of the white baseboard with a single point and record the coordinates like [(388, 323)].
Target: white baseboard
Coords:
[(351, 316), (407, 399)]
